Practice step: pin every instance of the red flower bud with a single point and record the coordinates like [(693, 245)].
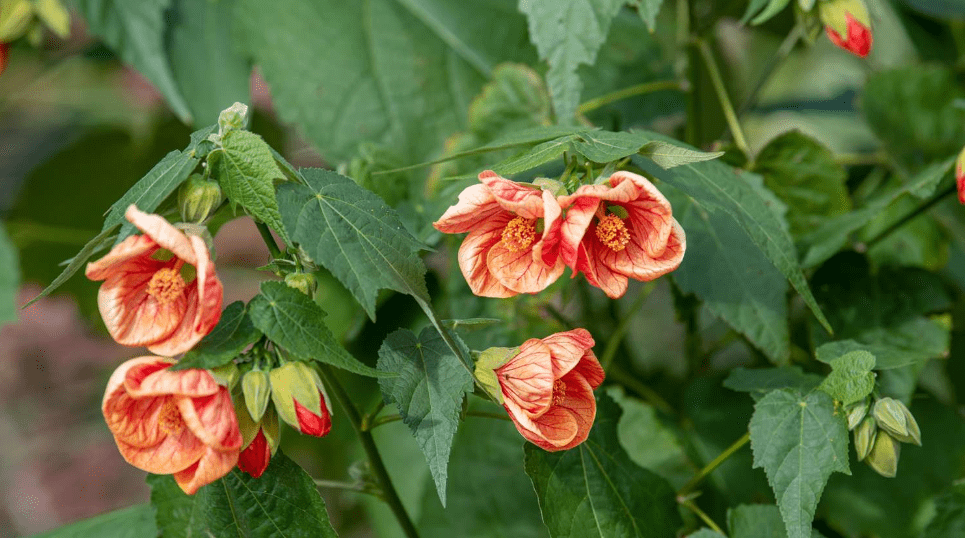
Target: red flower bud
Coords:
[(960, 176), (311, 424), (848, 25), (300, 398), (254, 459)]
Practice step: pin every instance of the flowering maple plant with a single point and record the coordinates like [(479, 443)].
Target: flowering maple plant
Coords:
[(573, 268)]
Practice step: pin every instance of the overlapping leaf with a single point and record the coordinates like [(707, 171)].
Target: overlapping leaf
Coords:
[(760, 381), (851, 378), (233, 333), (648, 10)]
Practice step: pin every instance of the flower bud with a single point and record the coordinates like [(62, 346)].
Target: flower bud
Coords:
[(233, 118), (300, 398), (15, 19), (198, 197), (303, 282), (256, 455), (884, 455), (486, 365), (892, 416), (856, 414), (864, 437), (257, 390), (959, 172), (848, 25), (226, 375), (914, 432)]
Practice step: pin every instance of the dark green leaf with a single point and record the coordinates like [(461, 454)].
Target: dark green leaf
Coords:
[(706, 533), (536, 156), (100, 241), (233, 333), (945, 9), (283, 502), (293, 321), (134, 522), (568, 35), (799, 441), (758, 521), (595, 490), (760, 381), (201, 43), (136, 30), (247, 171), (352, 233), (9, 278), (949, 520), (851, 378), (648, 10), (716, 186), (428, 391)]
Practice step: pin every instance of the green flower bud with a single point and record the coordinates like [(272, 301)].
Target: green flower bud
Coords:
[(300, 398), (197, 197), (892, 416), (15, 19), (864, 437), (303, 282), (486, 365), (233, 118), (226, 375), (257, 390), (856, 414), (914, 432), (884, 455)]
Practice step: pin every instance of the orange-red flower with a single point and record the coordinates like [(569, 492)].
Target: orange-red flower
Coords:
[(848, 25), (255, 458), (147, 299), (181, 423), (547, 389), (513, 241), (620, 229)]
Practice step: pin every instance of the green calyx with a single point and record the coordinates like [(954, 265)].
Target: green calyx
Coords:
[(896, 419), (256, 387), (834, 14), (884, 455), (198, 197), (290, 382), (486, 365)]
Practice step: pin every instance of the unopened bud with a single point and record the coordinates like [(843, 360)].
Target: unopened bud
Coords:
[(15, 19), (300, 398), (486, 365), (848, 25), (198, 197), (233, 118), (856, 414), (303, 282), (864, 437), (226, 375), (892, 416), (257, 391), (960, 176), (884, 455), (914, 432)]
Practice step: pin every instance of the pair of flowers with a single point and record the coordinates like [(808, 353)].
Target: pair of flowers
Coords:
[(521, 237)]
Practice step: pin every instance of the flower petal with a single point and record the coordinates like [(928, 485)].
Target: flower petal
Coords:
[(131, 315), (174, 453), (134, 420), (522, 271), (567, 348), (476, 205), (212, 419), (473, 255), (136, 247), (589, 367), (213, 465), (193, 382), (548, 249), (597, 273), (579, 214), (163, 233), (635, 263), (524, 201), (527, 379), (576, 411)]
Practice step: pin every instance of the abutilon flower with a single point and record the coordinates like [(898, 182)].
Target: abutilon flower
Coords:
[(181, 423), (513, 241), (146, 299), (848, 25), (960, 176), (300, 398), (260, 440), (547, 388), (620, 229)]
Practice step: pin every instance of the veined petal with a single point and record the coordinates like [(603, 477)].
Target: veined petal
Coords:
[(476, 205), (579, 215), (612, 283), (473, 256), (135, 420), (137, 248), (212, 465), (635, 263), (163, 233), (212, 419), (568, 422), (131, 315), (567, 348), (175, 453), (521, 271), (590, 368), (548, 248), (527, 379), (193, 382), (524, 201)]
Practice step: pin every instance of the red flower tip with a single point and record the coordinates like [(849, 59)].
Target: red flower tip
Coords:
[(254, 459), (859, 38), (311, 424)]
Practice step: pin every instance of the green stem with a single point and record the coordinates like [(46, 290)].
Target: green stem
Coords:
[(712, 466), (776, 61), (725, 103), (690, 504), (859, 159), (632, 91), (649, 395), (375, 423), (269, 240), (613, 344), (389, 494), (913, 214), (332, 484)]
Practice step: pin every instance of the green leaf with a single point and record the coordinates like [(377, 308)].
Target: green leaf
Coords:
[(851, 378), (233, 333), (134, 522), (247, 171), (760, 381), (209, 70), (717, 186), (805, 176), (293, 321), (949, 520), (944, 9), (669, 155), (706, 533), (535, 157), (799, 441), (9, 278), (283, 502), (732, 276), (883, 313), (353, 234), (568, 35), (757, 521), (136, 30), (470, 324), (428, 391), (595, 490), (100, 241), (648, 10)]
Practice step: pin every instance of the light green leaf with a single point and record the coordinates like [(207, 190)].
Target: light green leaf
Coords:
[(136, 30), (758, 521), (283, 502), (247, 171), (568, 35), (851, 378), (537, 156), (233, 333), (595, 490), (733, 277), (799, 441), (201, 43), (428, 391), (353, 234), (134, 522), (760, 381), (293, 321), (9, 278), (100, 241), (648, 10), (715, 185), (949, 520), (669, 155)]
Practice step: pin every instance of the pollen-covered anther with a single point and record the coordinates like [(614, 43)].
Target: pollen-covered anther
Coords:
[(169, 420), (166, 285), (612, 232), (559, 392), (519, 233)]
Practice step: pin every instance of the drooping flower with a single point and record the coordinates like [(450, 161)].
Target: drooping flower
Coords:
[(300, 398), (180, 423), (149, 297), (547, 388), (620, 229), (960, 176), (848, 25), (513, 241)]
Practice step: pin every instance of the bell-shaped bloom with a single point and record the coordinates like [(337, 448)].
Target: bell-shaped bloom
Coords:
[(300, 398), (513, 241), (160, 289), (547, 388), (848, 25), (960, 176), (620, 229), (181, 423)]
